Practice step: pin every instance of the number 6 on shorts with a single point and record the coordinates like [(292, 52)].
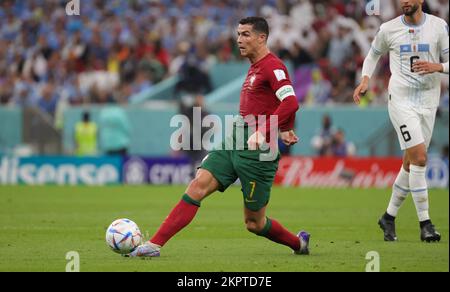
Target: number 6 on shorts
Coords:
[(405, 134)]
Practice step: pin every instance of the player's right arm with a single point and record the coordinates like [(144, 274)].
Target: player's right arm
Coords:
[(443, 44), (378, 48), (424, 67)]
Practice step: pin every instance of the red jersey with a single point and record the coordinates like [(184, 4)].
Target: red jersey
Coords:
[(267, 84)]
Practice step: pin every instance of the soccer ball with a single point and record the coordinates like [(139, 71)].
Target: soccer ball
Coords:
[(123, 236)]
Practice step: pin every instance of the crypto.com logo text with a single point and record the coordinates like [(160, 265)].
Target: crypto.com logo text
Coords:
[(73, 8), (373, 7)]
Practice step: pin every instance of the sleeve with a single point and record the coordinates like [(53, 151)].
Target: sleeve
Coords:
[(370, 63), (280, 82), (289, 124), (443, 46), (281, 85), (379, 47)]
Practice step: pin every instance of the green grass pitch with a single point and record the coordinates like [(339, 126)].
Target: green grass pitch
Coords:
[(41, 224)]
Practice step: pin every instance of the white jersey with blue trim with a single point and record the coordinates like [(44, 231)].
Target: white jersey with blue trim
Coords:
[(428, 41)]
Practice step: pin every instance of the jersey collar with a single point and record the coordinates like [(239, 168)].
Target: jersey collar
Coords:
[(424, 18), (263, 58)]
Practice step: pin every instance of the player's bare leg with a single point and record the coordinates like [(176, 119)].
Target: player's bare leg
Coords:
[(202, 185), (417, 161), (181, 215), (258, 223)]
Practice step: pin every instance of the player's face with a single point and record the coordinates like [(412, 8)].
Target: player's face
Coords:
[(248, 40), (410, 7)]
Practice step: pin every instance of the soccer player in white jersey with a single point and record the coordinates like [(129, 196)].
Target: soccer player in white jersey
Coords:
[(418, 45)]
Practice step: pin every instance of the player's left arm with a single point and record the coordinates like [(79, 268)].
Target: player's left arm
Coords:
[(286, 120), (424, 67), (281, 85)]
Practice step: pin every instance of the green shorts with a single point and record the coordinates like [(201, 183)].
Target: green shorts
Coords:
[(256, 176)]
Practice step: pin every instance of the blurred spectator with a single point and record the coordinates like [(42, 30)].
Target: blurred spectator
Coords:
[(48, 99), (444, 157), (322, 142), (444, 101), (114, 131), (192, 81), (23, 94), (320, 90), (100, 95), (194, 155), (152, 67), (114, 42), (331, 142), (444, 154), (86, 136), (340, 147), (143, 81), (340, 46), (300, 55), (190, 91), (6, 87)]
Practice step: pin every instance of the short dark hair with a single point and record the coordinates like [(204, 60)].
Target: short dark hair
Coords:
[(259, 24), (86, 116)]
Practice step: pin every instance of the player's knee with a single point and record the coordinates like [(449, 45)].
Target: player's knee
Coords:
[(197, 189), (253, 226), (420, 160)]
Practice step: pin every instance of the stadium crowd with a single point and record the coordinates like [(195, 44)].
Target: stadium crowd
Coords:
[(117, 48)]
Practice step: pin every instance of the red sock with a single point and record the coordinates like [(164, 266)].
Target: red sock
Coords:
[(277, 233), (180, 216)]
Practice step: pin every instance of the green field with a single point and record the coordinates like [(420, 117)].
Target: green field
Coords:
[(41, 224)]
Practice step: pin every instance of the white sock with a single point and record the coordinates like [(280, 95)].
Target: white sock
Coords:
[(400, 190), (419, 191)]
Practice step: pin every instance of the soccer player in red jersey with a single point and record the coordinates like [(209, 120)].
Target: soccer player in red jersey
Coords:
[(267, 91)]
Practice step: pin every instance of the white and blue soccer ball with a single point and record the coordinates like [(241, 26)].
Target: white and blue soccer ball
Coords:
[(123, 236)]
